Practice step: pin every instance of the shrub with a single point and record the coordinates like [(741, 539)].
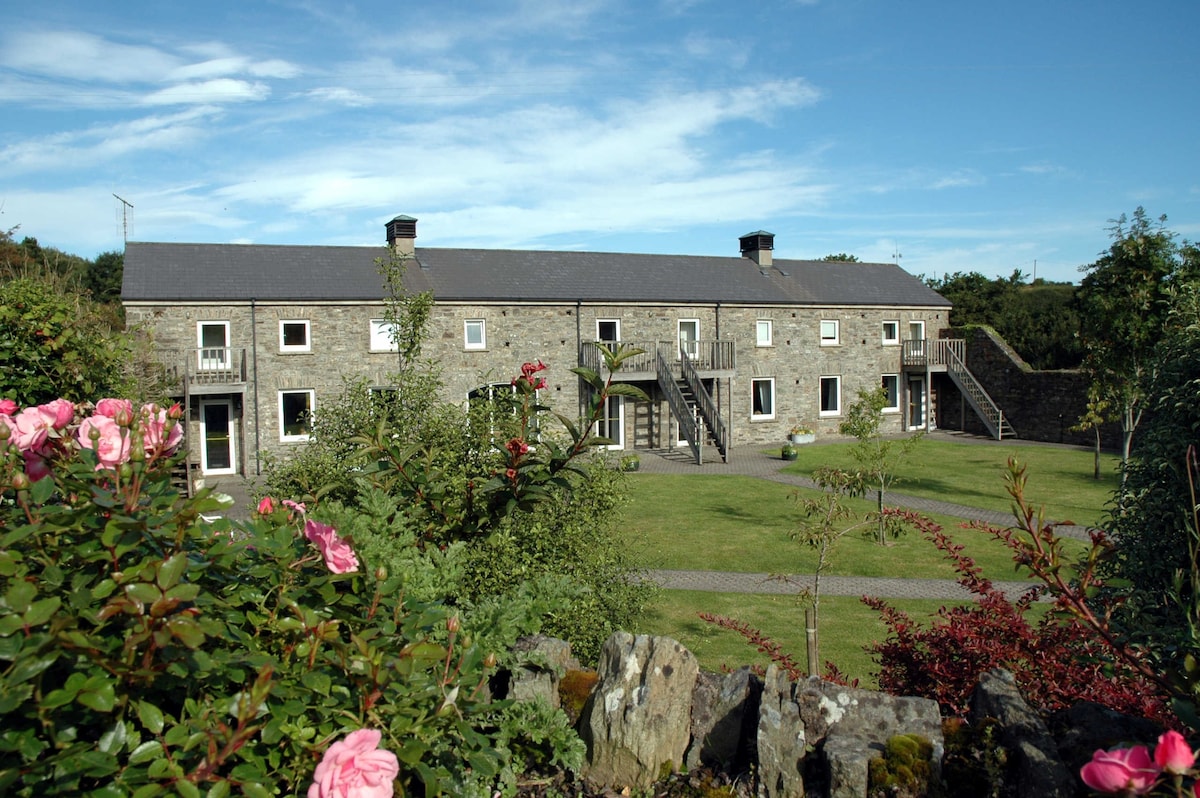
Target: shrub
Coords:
[(1067, 655), (145, 650)]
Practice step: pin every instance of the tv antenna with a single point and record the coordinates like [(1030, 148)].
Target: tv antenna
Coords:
[(126, 207)]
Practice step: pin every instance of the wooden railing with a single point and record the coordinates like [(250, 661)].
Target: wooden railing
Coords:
[(932, 351), (207, 366), (707, 356)]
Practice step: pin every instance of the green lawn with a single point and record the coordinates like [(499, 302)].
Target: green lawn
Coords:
[(736, 523), (847, 625), (973, 474), (743, 524)]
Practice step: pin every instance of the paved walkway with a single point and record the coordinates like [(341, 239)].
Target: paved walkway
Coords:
[(754, 462)]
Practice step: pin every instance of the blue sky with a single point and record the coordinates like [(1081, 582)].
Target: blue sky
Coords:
[(949, 136)]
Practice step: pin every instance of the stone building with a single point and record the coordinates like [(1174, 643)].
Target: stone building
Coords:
[(738, 350)]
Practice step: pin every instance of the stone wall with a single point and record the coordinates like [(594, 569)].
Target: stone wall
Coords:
[(794, 361), (653, 711), (1040, 405)]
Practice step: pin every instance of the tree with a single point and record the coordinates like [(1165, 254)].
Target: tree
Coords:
[(842, 257), (56, 343), (103, 277), (878, 457), (1125, 301)]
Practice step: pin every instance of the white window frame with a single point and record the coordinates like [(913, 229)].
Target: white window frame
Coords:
[(381, 339), (467, 342), (221, 362), (284, 437), (617, 325), (894, 339), (693, 350), (836, 338), (896, 381), (761, 326), (770, 381), (837, 395), (914, 326), (304, 347)]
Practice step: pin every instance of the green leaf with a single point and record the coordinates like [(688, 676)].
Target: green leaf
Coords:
[(113, 740), (150, 716), (317, 681), (252, 790), (218, 790), (145, 752), (148, 791), (41, 611), (41, 491), (187, 789), (171, 570), (98, 694)]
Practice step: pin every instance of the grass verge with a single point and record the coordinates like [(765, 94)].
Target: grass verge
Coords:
[(1060, 478)]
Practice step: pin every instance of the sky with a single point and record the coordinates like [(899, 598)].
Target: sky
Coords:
[(944, 136)]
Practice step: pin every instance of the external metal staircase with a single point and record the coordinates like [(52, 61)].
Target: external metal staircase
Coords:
[(692, 406), (987, 410)]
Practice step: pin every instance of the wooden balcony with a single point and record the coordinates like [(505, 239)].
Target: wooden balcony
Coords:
[(208, 370), (710, 358), (934, 354)]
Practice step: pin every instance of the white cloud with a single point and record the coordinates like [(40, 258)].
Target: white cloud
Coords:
[(340, 96), (221, 90), (84, 57)]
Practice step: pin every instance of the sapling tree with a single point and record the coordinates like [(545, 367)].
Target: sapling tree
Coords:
[(878, 458)]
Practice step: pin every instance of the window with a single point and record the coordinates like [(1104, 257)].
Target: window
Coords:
[(916, 330), (475, 334), (382, 336), (212, 342), (608, 329), (829, 332), (891, 386), (762, 399), (689, 337), (293, 336), (762, 332), (831, 396), (891, 333), (295, 414)]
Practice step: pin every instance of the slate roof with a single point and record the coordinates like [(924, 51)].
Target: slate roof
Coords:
[(240, 272)]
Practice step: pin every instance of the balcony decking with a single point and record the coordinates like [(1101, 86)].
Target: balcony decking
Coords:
[(934, 354), (210, 370), (710, 358)]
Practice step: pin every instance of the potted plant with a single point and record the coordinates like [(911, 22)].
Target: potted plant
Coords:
[(789, 452), (801, 434), (630, 462)]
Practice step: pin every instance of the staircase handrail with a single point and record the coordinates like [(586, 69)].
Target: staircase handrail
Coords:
[(705, 403), (989, 412), (679, 407)]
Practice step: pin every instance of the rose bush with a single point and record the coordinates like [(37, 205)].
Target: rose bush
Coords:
[(145, 650)]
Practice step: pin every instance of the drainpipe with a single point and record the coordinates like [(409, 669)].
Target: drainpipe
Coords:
[(579, 356), (254, 362)]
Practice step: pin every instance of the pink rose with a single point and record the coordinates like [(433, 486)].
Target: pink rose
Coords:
[(58, 413), (154, 427), (356, 768), (266, 506), (36, 467), (111, 444), (7, 407), (1123, 770), (31, 429), (119, 410), (339, 557), (1173, 754)]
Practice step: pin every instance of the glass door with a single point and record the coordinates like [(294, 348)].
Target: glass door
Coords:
[(916, 403), (218, 453), (689, 336)]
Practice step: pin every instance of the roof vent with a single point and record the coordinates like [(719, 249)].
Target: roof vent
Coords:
[(401, 234), (757, 246)]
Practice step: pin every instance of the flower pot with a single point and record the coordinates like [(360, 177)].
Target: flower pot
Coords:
[(802, 437), (789, 453)]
